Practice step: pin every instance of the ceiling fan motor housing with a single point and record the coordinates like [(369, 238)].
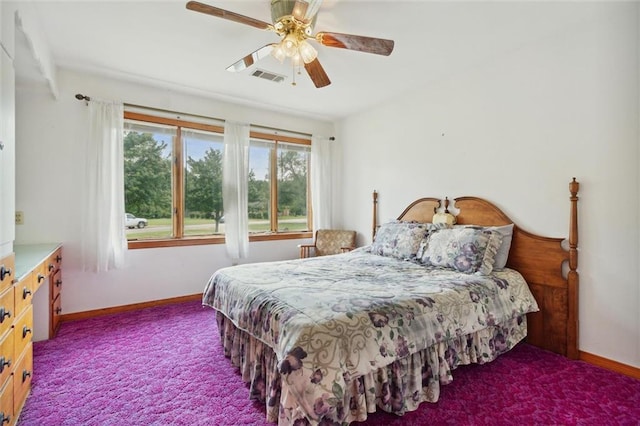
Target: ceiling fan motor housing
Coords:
[(280, 8)]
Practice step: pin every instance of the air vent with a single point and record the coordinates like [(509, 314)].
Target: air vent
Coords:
[(277, 78)]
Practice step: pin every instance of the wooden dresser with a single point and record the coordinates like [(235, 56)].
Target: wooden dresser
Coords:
[(24, 273)]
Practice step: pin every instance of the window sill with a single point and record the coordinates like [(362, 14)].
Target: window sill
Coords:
[(198, 241)]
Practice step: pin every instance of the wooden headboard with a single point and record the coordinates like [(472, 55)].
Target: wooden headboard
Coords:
[(539, 259)]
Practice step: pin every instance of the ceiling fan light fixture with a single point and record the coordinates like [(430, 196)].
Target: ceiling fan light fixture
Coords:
[(278, 52), (307, 52), (290, 45)]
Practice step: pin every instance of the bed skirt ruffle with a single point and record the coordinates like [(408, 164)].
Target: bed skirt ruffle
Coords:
[(396, 388)]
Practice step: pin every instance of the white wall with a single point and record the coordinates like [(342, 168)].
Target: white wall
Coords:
[(515, 129), (7, 131), (49, 138), (638, 176)]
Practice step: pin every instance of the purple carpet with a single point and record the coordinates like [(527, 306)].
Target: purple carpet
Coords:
[(164, 366)]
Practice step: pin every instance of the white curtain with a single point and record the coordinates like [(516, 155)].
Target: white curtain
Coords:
[(321, 181), (235, 175), (104, 242)]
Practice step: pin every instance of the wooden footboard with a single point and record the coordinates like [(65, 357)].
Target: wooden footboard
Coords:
[(539, 259)]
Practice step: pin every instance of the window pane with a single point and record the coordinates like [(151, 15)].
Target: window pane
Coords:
[(147, 180), (259, 186), (203, 211), (293, 161)]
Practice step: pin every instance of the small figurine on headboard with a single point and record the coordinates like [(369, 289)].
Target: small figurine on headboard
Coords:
[(444, 217)]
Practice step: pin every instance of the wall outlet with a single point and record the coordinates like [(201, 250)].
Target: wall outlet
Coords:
[(19, 218)]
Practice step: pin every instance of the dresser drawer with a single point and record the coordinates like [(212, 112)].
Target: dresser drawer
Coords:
[(23, 291), (54, 261), (6, 403), (7, 357), (7, 271), (39, 276), (6, 310), (56, 311), (22, 378), (56, 284), (23, 331)]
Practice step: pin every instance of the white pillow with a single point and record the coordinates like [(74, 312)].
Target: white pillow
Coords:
[(503, 251)]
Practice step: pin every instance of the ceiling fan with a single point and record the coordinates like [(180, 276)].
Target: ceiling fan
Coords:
[(293, 21)]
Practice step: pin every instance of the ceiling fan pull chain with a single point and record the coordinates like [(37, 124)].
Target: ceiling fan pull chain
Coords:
[(293, 77)]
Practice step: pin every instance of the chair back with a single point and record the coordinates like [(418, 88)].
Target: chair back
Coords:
[(331, 241)]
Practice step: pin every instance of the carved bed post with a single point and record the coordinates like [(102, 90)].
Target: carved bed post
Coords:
[(375, 214), (572, 276)]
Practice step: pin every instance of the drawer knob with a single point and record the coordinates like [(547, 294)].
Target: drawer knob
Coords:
[(58, 283), (51, 267), (4, 272), (58, 310), (4, 363), (25, 330), (25, 374), (5, 418), (58, 258), (25, 293), (40, 278), (4, 313)]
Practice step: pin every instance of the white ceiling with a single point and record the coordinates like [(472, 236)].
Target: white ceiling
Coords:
[(164, 44)]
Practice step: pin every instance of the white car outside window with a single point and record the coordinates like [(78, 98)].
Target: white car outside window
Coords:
[(135, 222)]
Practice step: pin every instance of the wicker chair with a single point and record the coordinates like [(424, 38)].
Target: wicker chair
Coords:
[(329, 241)]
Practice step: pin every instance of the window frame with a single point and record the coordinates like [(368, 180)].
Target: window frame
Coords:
[(177, 190)]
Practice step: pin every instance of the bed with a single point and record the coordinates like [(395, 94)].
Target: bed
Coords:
[(328, 340)]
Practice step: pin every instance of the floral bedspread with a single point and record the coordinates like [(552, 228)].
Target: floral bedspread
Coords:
[(332, 318)]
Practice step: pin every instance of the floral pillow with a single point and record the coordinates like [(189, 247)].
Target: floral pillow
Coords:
[(503, 251), (467, 250), (431, 228), (400, 239)]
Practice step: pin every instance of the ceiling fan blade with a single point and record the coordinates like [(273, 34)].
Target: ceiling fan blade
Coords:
[(317, 74), (378, 46), (225, 14), (251, 58), (300, 10)]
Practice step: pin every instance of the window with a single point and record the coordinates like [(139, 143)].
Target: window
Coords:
[(148, 150), (293, 163), (278, 186), (173, 180), (202, 169)]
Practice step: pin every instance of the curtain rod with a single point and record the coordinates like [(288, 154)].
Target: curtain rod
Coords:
[(81, 97)]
